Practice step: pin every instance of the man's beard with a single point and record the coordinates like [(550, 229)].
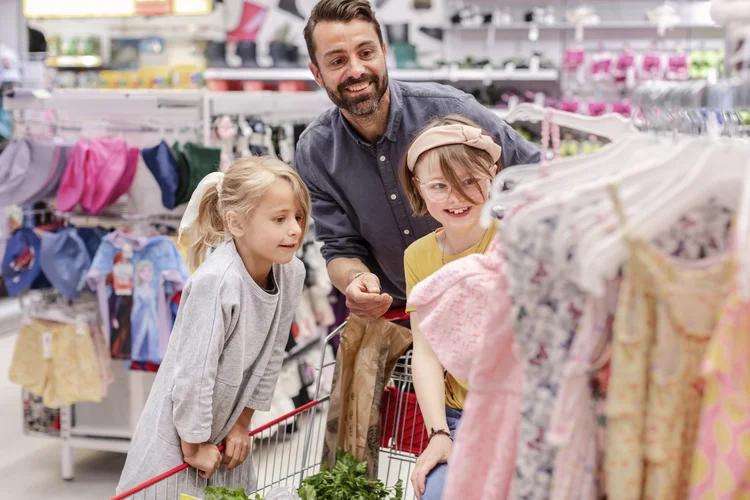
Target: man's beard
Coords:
[(362, 105)]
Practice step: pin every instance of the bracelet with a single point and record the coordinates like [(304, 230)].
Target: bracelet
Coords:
[(437, 432), (358, 275)]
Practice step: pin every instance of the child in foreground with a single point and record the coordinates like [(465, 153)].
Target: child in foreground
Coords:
[(233, 323), (447, 173)]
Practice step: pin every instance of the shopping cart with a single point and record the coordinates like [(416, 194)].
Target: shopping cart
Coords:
[(290, 448)]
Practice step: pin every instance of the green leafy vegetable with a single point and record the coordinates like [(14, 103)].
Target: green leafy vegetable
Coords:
[(347, 480), (223, 493)]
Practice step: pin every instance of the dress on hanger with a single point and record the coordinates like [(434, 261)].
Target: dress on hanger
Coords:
[(721, 463), (465, 314), (666, 314), (579, 418), (547, 307)]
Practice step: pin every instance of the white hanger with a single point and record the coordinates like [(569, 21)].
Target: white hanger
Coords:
[(525, 173), (697, 186), (611, 126)]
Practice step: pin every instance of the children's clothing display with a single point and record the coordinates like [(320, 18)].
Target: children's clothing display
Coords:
[(421, 260), (134, 279), (630, 379), (199, 401), (465, 315)]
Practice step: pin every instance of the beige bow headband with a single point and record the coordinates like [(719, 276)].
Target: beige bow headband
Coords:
[(451, 134)]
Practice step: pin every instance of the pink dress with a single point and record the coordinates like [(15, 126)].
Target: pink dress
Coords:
[(721, 461), (470, 296)]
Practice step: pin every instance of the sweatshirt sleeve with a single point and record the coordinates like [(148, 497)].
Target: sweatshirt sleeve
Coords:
[(203, 319)]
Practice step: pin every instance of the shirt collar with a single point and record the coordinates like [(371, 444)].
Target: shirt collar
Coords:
[(394, 116)]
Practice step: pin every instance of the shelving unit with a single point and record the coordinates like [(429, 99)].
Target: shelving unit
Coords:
[(422, 75), (640, 28)]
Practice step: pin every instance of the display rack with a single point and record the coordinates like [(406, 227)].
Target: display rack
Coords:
[(109, 425), (446, 74)]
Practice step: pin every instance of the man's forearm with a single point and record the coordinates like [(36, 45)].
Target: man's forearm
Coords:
[(342, 271)]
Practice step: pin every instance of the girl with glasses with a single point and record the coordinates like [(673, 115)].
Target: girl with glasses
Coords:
[(446, 173)]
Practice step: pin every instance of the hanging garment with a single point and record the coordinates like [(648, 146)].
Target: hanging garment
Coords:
[(574, 423), (134, 292), (578, 425), (666, 314), (422, 259), (56, 361), (721, 463), (103, 358), (163, 166), (25, 166), (547, 307), (465, 314)]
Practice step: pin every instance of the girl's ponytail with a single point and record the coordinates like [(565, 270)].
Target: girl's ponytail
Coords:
[(203, 219), (241, 189)]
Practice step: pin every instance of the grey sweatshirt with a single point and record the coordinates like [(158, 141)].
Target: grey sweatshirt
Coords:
[(224, 355)]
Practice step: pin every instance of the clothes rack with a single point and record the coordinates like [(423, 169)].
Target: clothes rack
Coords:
[(144, 117)]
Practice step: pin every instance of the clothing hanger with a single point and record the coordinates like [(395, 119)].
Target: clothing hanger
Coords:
[(693, 188), (612, 126), (644, 176), (626, 140)]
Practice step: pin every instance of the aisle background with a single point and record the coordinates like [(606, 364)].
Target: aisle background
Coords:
[(30, 467)]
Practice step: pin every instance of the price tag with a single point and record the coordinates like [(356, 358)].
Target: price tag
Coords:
[(183, 496), (47, 340)]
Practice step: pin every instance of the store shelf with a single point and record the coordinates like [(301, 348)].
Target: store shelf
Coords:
[(423, 75), (74, 62), (613, 28)]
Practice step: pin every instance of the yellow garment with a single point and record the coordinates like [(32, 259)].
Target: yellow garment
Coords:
[(666, 314), (56, 361), (422, 258), (721, 464)]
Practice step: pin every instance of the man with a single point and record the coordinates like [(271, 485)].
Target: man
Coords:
[(350, 155)]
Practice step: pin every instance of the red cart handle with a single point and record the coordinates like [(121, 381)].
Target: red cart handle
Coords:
[(392, 315), (396, 315)]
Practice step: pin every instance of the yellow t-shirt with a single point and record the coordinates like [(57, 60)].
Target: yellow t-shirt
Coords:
[(422, 258)]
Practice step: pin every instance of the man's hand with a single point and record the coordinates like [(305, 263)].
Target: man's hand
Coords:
[(237, 446), (437, 452), (363, 297), (206, 459)]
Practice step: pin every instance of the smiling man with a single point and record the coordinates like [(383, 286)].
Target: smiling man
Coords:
[(350, 155)]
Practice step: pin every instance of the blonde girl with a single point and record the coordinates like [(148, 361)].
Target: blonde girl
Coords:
[(226, 348), (446, 173)]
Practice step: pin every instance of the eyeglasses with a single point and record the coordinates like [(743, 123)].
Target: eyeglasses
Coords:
[(440, 191)]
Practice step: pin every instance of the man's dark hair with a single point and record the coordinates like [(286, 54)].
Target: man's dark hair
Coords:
[(338, 11)]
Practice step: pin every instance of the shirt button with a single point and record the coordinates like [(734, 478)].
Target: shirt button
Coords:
[(382, 158), (406, 232), (393, 196)]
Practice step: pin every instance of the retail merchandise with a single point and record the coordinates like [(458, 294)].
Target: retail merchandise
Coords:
[(615, 321), (116, 277)]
